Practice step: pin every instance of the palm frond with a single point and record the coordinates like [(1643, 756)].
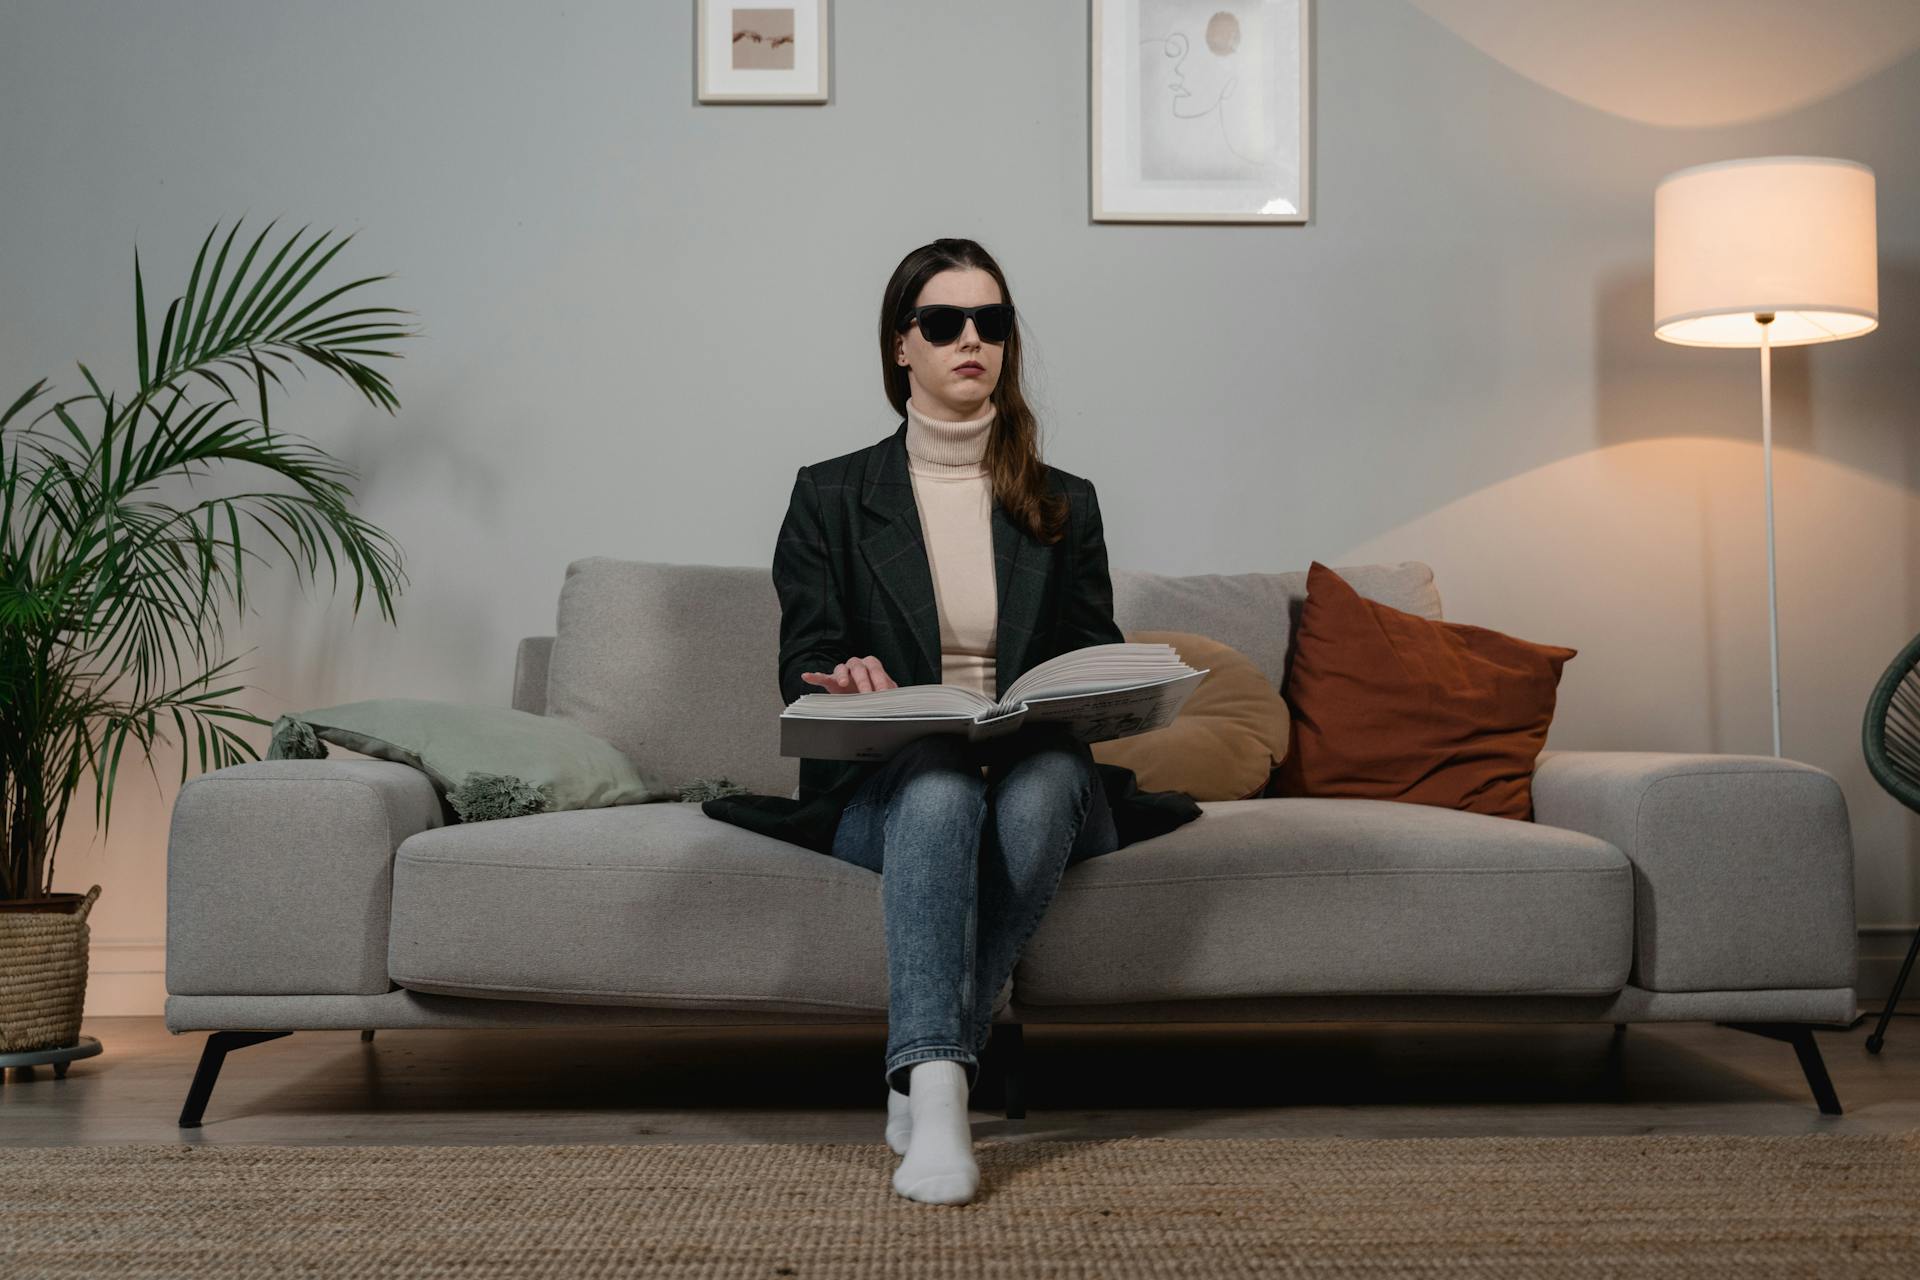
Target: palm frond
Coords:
[(112, 602)]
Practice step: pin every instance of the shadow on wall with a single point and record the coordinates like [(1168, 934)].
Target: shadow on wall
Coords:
[(1868, 415), (1703, 64), (1646, 389)]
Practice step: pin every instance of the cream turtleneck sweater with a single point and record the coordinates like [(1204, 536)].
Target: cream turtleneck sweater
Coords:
[(946, 462)]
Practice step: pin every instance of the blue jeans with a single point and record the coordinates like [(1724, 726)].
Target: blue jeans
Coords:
[(968, 866)]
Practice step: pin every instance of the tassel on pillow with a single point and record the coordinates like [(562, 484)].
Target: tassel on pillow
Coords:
[(295, 740), (486, 796), (709, 788)]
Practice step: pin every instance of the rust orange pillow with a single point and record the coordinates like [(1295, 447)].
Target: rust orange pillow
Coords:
[(1388, 705), (1226, 740)]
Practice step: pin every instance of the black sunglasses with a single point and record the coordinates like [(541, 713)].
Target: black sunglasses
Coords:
[(942, 323)]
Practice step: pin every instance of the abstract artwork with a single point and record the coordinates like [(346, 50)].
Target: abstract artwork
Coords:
[(761, 52), (1200, 110)]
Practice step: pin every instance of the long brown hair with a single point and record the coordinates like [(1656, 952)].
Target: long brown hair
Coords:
[(1013, 454)]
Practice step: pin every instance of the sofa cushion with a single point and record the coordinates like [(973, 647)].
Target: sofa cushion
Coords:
[(644, 904), (1226, 740), (659, 905), (677, 665), (1310, 896), (1391, 706)]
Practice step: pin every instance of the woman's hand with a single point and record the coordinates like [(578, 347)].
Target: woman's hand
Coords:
[(855, 675)]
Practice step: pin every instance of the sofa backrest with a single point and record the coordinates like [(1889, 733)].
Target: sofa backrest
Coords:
[(676, 664)]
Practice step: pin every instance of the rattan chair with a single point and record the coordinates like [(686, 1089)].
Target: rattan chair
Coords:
[(1890, 736)]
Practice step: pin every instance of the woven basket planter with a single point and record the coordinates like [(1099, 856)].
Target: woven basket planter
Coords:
[(43, 973)]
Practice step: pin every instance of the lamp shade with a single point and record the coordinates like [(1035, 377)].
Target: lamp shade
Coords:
[(1793, 236)]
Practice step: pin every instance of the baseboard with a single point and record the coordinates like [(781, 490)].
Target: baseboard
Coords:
[(1882, 949), (126, 995), (126, 979)]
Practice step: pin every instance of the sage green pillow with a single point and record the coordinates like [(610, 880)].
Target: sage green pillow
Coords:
[(485, 761)]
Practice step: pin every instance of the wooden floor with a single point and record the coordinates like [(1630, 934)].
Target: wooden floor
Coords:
[(816, 1084)]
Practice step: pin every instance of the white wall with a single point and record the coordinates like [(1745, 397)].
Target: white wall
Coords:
[(1452, 363)]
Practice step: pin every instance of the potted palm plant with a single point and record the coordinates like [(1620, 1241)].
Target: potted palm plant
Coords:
[(112, 595)]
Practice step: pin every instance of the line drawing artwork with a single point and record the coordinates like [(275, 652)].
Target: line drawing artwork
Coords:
[(1219, 92)]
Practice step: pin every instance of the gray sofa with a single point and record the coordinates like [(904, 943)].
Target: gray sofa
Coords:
[(339, 893)]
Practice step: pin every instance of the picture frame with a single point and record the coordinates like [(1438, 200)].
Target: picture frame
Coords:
[(764, 52), (1200, 110)]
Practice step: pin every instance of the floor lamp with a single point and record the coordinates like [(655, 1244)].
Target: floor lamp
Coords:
[(1773, 251)]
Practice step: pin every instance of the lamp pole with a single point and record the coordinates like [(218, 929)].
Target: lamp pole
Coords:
[(1766, 448)]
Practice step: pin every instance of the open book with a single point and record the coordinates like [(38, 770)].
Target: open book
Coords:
[(1103, 691)]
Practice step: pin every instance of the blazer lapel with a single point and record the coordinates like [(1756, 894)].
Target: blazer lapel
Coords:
[(1020, 569), (896, 553)]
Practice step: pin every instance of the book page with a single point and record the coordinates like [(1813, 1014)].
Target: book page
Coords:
[(1098, 666), (901, 700)]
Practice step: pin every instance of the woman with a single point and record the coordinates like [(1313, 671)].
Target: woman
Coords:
[(948, 553)]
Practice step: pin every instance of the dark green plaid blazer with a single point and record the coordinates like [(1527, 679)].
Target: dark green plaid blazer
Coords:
[(851, 570)]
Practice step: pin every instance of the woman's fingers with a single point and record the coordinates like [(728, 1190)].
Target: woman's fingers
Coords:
[(855, 675), (876, 672)]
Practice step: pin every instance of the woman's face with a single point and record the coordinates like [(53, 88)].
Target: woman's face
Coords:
[(935, 384)]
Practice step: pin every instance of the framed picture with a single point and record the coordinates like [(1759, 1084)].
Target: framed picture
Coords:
[(1200, 110), (761, 52)]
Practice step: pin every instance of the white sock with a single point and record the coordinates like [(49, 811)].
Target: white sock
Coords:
[(899, 1120), (939, 1167)]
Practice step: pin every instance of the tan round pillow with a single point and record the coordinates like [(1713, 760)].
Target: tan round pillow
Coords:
[(1228, 738)]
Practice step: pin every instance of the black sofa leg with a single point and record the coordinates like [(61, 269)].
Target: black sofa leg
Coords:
[(366, 1035), (219, 1044), (1800, 1036)]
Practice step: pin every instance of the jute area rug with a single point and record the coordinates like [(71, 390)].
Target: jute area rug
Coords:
[(1662, 1205)]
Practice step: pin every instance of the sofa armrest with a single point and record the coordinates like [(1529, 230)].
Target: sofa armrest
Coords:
[(1742, 865), (280, 875)]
